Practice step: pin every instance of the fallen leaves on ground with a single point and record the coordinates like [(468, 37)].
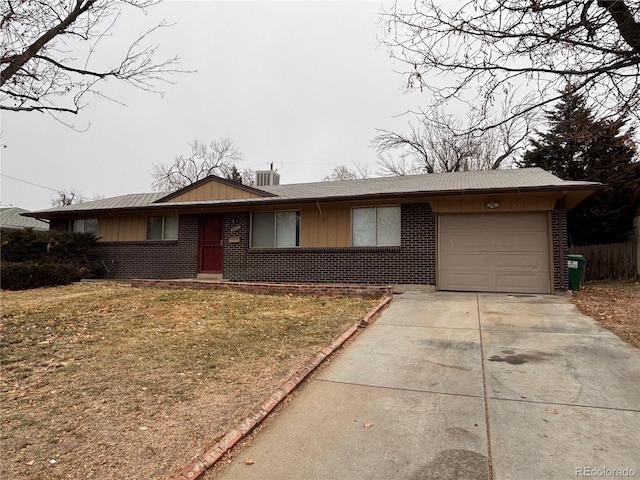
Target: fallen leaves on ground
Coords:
[(616, 305)]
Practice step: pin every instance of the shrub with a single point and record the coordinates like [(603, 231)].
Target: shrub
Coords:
[(35, 259), (32, 246), (21, 276)]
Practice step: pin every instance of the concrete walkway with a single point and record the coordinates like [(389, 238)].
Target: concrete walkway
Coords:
[(463, 386)]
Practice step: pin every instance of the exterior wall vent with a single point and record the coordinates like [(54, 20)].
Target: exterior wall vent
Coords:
[(267, 178)]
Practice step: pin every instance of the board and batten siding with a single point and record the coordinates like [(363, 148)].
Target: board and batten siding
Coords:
[(328, 226), (213, 191), (478, 204), (325, 226), (122, 229)]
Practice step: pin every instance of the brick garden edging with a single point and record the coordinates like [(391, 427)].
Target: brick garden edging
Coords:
[(205, 461), (330, 289)]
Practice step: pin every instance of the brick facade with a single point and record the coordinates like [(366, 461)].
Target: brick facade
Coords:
[(154, 259), (560, 245), (412, 262)]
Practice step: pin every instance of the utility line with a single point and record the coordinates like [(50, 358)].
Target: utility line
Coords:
[(29, 183)]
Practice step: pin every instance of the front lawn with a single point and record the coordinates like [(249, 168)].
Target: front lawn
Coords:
[(109, 382)]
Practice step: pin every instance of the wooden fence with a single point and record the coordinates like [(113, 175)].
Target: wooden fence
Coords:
[(615, 261)]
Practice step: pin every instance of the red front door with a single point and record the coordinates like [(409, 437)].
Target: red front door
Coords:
[(210, 255)]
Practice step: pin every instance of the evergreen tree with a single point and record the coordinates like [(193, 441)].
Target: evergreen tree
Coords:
[(234, 174), (581, 147)]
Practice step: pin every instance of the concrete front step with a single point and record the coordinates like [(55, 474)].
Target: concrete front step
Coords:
[(209, 276)]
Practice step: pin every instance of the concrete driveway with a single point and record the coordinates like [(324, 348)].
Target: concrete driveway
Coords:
[(463, 386)]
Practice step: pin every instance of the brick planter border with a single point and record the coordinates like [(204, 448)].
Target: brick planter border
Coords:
[(369, 291)]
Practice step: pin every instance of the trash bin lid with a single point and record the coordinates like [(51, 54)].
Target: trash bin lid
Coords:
[(574, 256)]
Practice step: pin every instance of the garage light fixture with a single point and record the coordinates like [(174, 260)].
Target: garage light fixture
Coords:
[(492, 205)]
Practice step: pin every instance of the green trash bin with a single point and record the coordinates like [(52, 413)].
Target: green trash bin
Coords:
[(576, 267)]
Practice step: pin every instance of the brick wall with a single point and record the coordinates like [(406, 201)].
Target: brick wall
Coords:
[(154, 259), (412, 262), (560, 245)]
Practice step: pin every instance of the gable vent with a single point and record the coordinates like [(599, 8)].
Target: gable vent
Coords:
[(266, 178)]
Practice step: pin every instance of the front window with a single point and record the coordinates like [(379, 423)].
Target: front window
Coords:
[(162, 228), (86, 225), (275, 229), (375, 226)]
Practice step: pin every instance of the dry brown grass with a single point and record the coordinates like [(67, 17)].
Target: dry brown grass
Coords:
[(616, 305), (109, 382)]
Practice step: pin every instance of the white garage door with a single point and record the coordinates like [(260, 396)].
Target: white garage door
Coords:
[(501, 252)]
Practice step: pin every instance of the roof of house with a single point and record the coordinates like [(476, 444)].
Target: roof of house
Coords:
[(494, 181), (525, 178), (11, 218)]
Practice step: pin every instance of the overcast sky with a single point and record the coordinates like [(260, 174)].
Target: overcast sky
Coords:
[(301, 84)]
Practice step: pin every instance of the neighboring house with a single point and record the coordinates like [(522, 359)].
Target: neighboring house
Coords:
[(634, 203), (502, 230), (11, 219)]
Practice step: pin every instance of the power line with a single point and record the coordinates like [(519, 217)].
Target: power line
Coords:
[(29, 183)]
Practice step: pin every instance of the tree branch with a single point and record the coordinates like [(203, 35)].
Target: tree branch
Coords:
[(38, 71), (81, 7), (627, 25), (488, 48)]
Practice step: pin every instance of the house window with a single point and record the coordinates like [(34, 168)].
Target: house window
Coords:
[(86, 225), (162, 228), (275, 229), (375, 226)]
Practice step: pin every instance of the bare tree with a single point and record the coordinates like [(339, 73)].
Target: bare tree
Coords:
[(65, 197), (248, 177), (361, 170), (40, 73), (342, 172), (216, 158), (440, 142), (490, 48), (398, 166)]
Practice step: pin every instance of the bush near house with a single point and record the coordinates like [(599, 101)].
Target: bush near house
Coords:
[(37, 259)]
